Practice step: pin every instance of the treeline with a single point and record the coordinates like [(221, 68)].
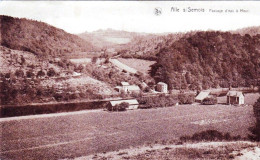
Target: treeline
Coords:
[(39, 38), (209, 59)]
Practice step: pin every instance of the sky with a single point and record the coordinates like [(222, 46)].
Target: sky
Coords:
[(135, 16)]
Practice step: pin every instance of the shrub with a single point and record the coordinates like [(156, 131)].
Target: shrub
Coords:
[(51, 72), (157, 101), (122, 106), (29, 74), (19, 73), (210, 101), (119, 107), (186, 98), (94, 59), (210, 135), (40, 73), (255, 130)]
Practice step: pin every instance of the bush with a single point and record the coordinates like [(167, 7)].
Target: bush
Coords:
[(40, 74), (157, 101), (186, 98), (19, 73), (119, 107), (94, 59), (51, 72), (29, 74), (210, 101), (210, 135), (255, 130)]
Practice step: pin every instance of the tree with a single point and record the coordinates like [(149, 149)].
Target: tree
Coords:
[(29, 74), (40, 73), (51, 72), (94, 59), (22, 60), (255, 130), (79, 68), (5, 94), (19, 73)]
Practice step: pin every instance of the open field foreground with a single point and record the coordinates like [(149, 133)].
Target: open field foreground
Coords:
[(76, 134), (240, 150)]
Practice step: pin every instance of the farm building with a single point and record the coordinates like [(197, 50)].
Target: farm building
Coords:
[(201, 96), (133, 103), (127, 88), (235, 97), (133, 88), (125, 85), (162, 87)]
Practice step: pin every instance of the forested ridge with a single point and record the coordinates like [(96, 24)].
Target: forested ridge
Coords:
[(209, 59), (39, 38)]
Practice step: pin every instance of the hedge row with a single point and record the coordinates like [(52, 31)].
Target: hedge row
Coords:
[(23, 110)]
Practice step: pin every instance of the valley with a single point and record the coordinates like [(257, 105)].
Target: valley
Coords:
[(69, 96)]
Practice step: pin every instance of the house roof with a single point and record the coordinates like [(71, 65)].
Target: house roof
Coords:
[(202, 95), (162, 83), (133, 88), (130, 101), (118, 87), (76, 74), (124, 83), (234, 94)]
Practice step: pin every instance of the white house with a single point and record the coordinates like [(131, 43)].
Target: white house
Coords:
[(235, 97), (127, 88), (162, 87)]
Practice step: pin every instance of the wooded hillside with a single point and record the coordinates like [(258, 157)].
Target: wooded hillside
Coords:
[(39, 38), (209, 59), (147, 46)]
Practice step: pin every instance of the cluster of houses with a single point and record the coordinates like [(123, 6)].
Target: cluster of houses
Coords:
[(233, 97), (127, 88)]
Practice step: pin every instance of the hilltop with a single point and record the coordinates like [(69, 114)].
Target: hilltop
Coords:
[(39, 38)]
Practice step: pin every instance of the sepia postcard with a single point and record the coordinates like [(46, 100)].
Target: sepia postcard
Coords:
[(136, 80)]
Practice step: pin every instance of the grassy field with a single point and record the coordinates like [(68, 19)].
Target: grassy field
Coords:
[(76, 134), (123, 66), (138, 64)]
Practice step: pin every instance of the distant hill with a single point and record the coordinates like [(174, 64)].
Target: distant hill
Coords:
[(209, 59), (249, 30), (39, 38), (147, 46), (110, 38)]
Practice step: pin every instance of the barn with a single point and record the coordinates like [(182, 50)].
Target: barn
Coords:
[(235, 97), (201, 96), (133, 103), (127, 88)]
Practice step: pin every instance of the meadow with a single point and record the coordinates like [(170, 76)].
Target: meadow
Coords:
[(82, 133), (138, 64)]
